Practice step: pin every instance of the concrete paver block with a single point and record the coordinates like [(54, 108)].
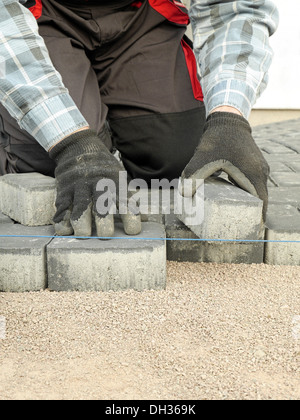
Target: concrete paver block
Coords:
[(28, 199), (280, 167), (283, 224), (286, 179), (272, 147), (208, 251), (295, 166), (5, 219), (294, 145), (23, 260), (290, 142), (281, 158), (117, 264), (285, 195), (229, 213)]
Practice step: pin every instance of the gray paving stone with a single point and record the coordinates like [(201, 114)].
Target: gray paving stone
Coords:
[(283, 224), (281, 158), (23, 260), (294, 145), (285, 133), (261, 142), (183, 250), (285, 179), (229, 213), (273, 147), (290, 142), (295, 166), (208, 251), (116, 264), (280, 167), (285, 195), (5, 219), (271, 184), (278, 131), (28, 198)]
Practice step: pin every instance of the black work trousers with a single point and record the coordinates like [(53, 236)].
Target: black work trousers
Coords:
[(130, 66)]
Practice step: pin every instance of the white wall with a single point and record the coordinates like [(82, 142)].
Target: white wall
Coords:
[(283, 91)]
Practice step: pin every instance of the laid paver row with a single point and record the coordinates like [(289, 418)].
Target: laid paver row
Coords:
[(68, 264), (117, 264)]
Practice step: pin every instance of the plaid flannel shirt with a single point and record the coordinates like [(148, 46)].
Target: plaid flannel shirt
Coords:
[(30, 88), (231, 43)]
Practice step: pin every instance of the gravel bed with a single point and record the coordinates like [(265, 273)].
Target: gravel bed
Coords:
[(219, 331)]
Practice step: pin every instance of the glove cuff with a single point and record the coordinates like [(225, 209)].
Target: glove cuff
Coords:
[(86, 141), (227, 119)]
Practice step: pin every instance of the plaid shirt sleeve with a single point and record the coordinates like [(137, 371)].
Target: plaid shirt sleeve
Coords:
[(231, 41), (30, 88)]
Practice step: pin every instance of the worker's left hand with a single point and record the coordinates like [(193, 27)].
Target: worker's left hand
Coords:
[(88, 188), (227, 144)]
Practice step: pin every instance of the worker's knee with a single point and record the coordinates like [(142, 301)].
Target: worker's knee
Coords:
[(157, 146)]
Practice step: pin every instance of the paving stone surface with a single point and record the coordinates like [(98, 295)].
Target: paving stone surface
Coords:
[(182, 249), (283, 221), (116, 264), (5, 219), (295, 166), (283, 224), (228, 212), (28, 198), (280, 167), (23, 259), (32, 259), (285, 195), (285, 179)]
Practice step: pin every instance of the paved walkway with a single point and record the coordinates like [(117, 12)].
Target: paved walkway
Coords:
[(280, 143)]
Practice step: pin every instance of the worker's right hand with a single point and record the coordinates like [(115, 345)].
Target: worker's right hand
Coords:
[(82, 161), (227, 145)]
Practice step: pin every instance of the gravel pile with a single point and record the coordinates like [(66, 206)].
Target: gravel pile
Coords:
[(220, 331)]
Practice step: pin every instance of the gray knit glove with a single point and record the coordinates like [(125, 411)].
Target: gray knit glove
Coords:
[(82, 161), (227, 144)]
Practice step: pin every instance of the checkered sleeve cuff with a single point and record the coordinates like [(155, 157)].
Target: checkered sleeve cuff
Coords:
[(52, 120)]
